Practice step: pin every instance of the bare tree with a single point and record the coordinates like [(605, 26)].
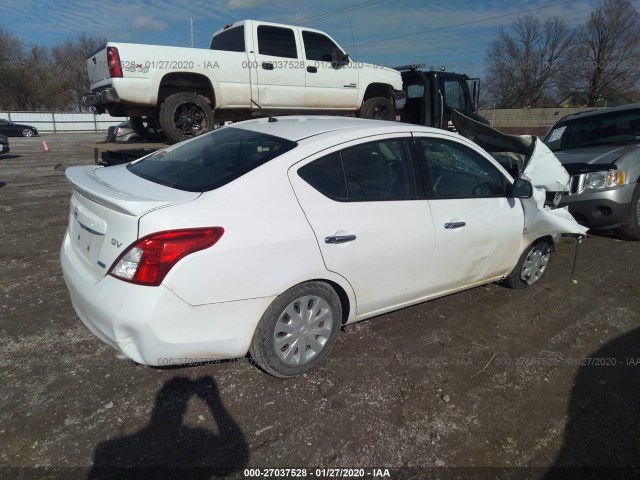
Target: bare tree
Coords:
[(70, 65), (12, 61), (524, 67), (607, 57)]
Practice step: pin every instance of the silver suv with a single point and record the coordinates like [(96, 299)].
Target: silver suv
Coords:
[(601, 151)]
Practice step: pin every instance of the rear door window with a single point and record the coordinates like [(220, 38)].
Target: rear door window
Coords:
[(212, 160), (371, 171)]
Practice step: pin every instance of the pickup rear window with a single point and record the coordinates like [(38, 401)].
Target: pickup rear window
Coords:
[(231, 40), (211, 160)]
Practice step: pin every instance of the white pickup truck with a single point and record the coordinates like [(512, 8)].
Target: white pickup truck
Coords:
[(251, 69)]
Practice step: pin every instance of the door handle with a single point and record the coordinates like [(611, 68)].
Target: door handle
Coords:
[(311, 69), (339, 239), (452, 225), (267, 65)]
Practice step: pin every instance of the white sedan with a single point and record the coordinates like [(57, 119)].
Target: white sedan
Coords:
[(267, 236)]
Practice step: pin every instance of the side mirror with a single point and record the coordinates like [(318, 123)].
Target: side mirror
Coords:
[(339, 58), (521, 188)]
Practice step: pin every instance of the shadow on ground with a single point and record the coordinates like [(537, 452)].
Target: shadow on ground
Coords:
[(602, 437), (166, 448)]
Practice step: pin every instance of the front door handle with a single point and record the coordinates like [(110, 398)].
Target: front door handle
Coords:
[(452, 225), (267, 65), (339, 239), (311, 69)]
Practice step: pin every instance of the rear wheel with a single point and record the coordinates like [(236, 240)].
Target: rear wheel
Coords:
[(378, 108), (298, 330), (630, 228), (148, 128), (531, 266), (184, 116)]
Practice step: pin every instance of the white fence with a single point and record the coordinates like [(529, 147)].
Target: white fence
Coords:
[(64, 122)]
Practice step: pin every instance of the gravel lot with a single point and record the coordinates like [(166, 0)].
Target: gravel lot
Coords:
[(488, 383)]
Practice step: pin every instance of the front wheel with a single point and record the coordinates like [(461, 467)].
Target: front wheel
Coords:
[(184, 116), (378, 108), (298, 330), (27, 132), (531, 266), (630, 228)]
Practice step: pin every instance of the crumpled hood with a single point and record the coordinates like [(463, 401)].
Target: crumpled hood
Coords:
[(542, 169)]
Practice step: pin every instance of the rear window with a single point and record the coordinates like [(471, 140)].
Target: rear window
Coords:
[(212, 160), (231, 40)]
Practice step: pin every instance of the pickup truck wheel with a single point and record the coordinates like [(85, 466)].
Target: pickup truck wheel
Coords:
[(148, 128), (378, 108), (630, 228), (184, 116)]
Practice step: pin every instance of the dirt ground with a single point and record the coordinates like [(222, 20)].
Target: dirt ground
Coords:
[(488, 383)]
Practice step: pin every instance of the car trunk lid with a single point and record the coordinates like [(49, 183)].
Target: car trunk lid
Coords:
[(105, 208)]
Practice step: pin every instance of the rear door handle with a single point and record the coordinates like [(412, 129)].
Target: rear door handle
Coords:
[(267, 65), (452, 225), (339, 239), (311, 69)]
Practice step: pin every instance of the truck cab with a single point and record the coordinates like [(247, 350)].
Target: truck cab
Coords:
[(433, 95)]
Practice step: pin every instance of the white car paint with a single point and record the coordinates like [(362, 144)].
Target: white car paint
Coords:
[(275, 229)]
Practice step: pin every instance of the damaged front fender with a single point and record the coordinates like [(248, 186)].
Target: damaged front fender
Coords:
[(540, 166)]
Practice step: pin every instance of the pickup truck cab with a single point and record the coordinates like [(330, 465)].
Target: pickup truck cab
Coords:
[(251, 69)]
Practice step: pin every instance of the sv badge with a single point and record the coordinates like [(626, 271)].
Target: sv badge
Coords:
[(116, 242)]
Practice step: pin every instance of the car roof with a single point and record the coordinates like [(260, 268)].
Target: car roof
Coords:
[(602, 111), (296, 128)]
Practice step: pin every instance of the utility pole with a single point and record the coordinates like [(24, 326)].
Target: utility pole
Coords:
[(191, 29)]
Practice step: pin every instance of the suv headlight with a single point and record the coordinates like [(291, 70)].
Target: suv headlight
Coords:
[(601, 180)]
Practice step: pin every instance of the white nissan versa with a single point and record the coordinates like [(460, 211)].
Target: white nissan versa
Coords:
[(266, 236)]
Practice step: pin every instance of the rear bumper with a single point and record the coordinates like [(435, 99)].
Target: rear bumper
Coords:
[(100, 97), (152, 325), (601, 209)]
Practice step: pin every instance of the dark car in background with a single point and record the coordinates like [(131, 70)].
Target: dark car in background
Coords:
[(123, 132), (11, 129), (4, 145), (601, 151)]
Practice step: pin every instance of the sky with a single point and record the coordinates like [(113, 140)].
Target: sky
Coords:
[(449, 34)]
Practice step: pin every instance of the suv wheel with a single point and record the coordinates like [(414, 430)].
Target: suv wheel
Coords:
[(630, 228)]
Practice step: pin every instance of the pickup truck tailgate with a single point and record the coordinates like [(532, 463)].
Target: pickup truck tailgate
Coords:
[(98, 66)]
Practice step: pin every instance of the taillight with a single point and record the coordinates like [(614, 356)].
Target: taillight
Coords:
[(148, 260), (113, 60)]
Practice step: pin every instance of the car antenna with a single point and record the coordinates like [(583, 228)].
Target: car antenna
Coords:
[(271, 117), (579, 240)]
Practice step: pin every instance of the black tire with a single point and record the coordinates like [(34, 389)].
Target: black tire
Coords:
[(531, 266), (274, 347), (378, 108), (184, 116), (27, 132), (148, 128), (630, 228)]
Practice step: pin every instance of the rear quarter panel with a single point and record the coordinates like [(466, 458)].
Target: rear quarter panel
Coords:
[(267, 246)]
